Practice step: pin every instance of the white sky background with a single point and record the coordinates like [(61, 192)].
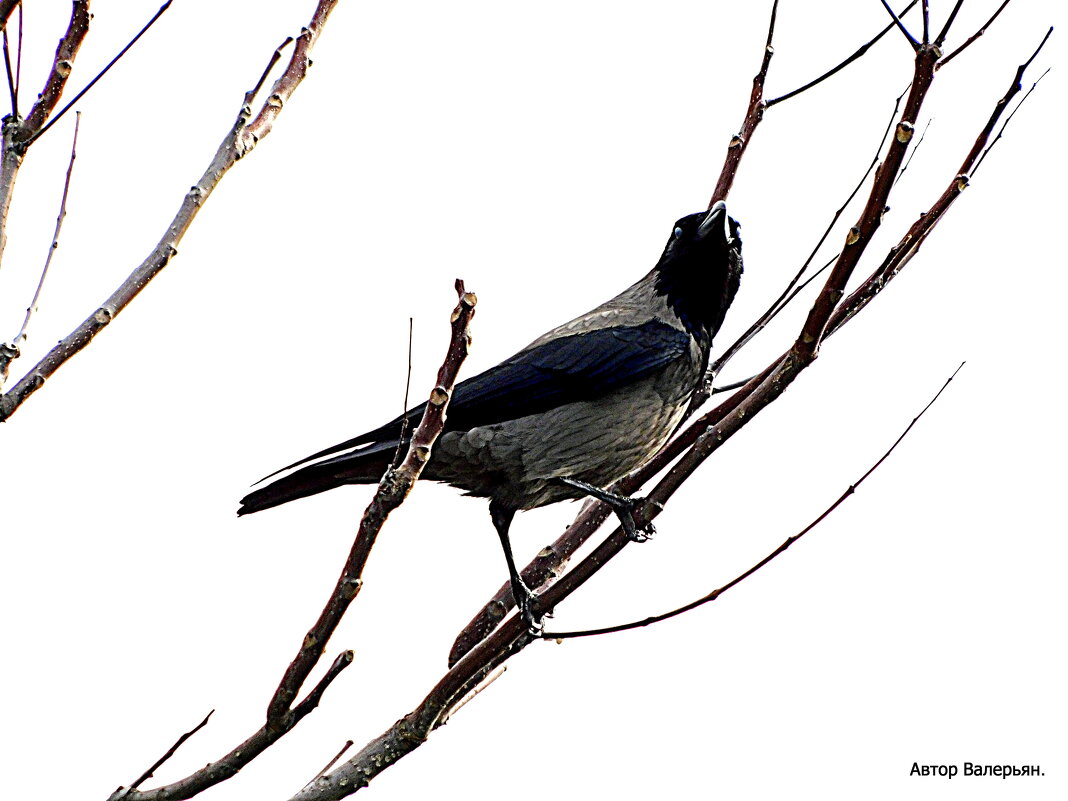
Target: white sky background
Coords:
[(541, 155)]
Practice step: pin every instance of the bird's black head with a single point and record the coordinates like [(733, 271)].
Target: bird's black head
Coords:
[(700, 270)]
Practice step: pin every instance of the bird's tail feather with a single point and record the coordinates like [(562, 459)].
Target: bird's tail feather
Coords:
[(364, 466)]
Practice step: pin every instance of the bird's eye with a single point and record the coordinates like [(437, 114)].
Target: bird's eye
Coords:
[(678, 233)]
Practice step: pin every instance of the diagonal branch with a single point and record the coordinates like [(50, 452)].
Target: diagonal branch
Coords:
[(282, 716), (148, 774), (32, 133), (62, 66), (704, 435), (392, 490), (712, 596), (229, 765), (860, 51), (233, 147), (753, 115), (901, 26), (968, 42)]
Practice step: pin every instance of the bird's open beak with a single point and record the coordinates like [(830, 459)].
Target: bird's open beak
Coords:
[(717, 216)]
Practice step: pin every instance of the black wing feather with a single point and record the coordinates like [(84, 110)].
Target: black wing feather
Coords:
[(563, 370)]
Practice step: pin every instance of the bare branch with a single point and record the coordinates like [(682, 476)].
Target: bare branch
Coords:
[(971, 38), (860, 235), (7, 8), (37, 134), (144, 777), (32, 308), (10, 78), (704, 435), (942, 34), (270, 66), (753, 115), (407, 386), (860, 51), (230, 150), (1008, 119), (15, 131), (901, 25), (18, 55), (910, 243), (227, 767), (391, 492), (913, 152), (348, 744), (788, 294), (62, 66), (285, 86), (712, 596)]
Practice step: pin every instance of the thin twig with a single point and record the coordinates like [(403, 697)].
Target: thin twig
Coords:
[(1008, 119), (972, 38), (233, 147), (926, 22), (348, 744), (10, 78), (404, 417), (55, 236), (860, 51), (18, 53), (490, 679), (270, 66), (144, 777), (942, 34), (912, 153), (39, 133), (731, 386), (712, 596), (901, 26), (9, 353)]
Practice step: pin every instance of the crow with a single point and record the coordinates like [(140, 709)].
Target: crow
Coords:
[(571, 413)]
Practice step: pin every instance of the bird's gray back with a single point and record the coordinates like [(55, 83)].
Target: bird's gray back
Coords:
[(597, 441)]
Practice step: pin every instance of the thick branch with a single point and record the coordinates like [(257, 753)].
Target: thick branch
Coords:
[(62, 66), (861, 234)]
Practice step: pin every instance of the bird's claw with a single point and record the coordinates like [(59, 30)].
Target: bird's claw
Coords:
[(530, 611), (626, 510)]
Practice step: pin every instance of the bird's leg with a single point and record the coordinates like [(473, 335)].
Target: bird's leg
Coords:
[(525, 600), (623, 507)]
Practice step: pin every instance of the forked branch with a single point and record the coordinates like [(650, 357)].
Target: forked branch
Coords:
[(237, 143)]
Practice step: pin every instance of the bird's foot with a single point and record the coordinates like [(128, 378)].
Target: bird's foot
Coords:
[(624, 507), (529, 606)]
